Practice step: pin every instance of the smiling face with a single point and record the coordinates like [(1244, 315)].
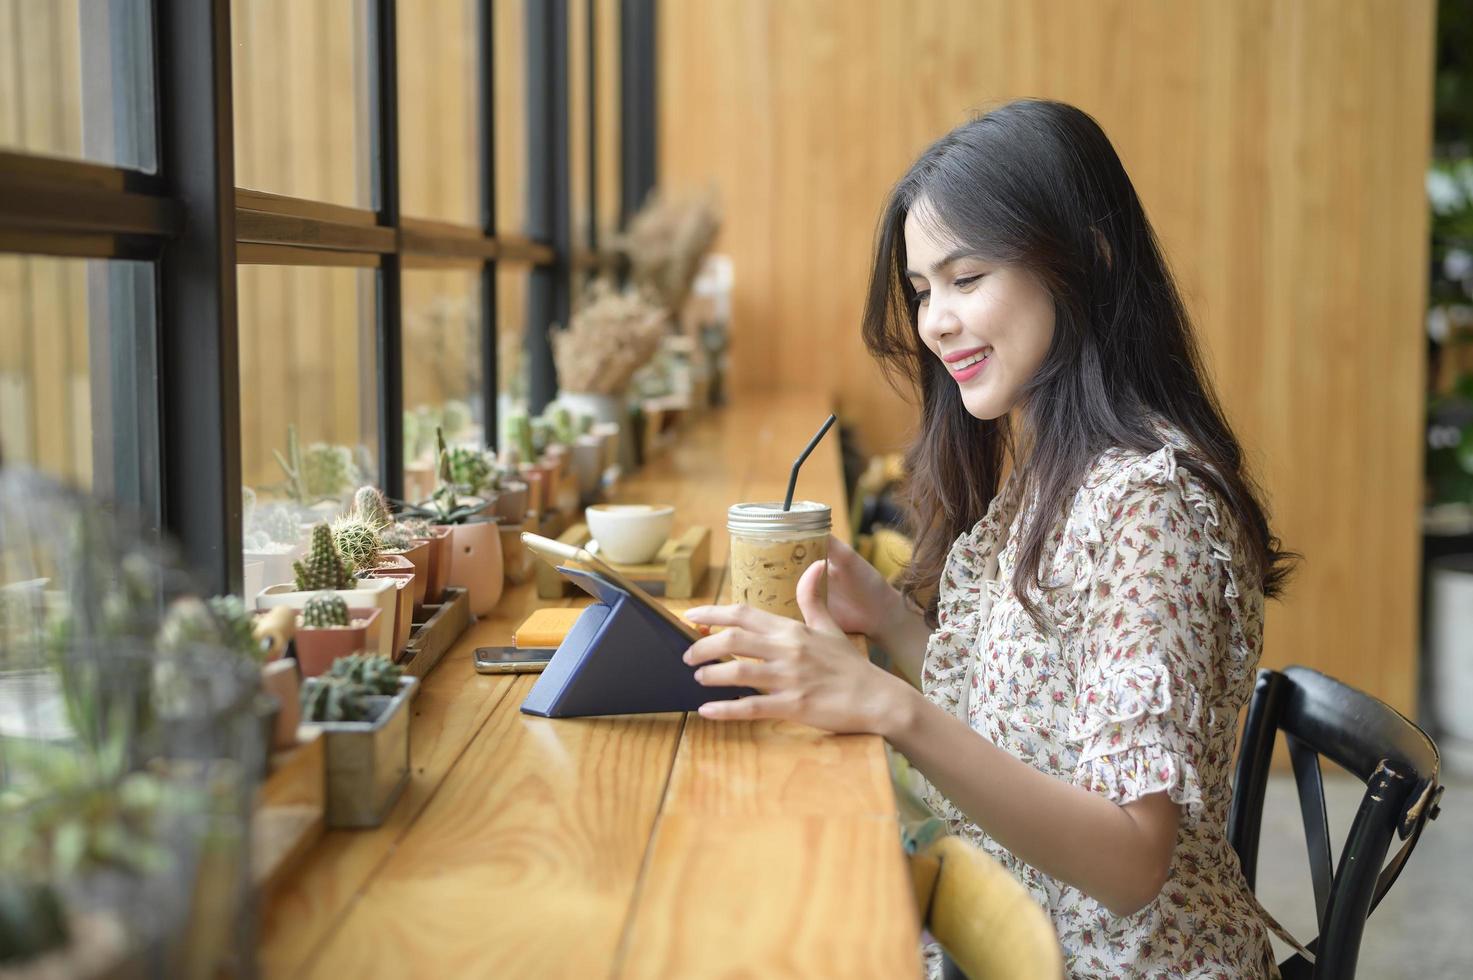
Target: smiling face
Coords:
[(990, 324)]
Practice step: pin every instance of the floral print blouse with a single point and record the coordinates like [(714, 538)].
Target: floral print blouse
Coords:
[(1158, 629)]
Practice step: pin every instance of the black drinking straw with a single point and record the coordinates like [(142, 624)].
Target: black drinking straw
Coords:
[(793, 477)]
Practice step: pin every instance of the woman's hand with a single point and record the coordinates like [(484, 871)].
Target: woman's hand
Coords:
[(809, 673), (860, 600)]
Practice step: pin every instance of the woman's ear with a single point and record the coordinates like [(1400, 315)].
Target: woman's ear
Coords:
[(1102, 244)]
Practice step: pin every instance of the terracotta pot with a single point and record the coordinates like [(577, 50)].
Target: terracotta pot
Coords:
[(317, 648), (440, 550), (514, 554), (282, 680), (418, 556), (393, 562), (404, 608), (476, 565), (536, 480), (511, 504), (374, 593), (588, 454)]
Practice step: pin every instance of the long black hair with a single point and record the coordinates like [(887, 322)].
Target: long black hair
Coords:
[(1037, 184)]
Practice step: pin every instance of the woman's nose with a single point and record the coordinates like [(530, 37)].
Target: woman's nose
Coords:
[(938, 322)]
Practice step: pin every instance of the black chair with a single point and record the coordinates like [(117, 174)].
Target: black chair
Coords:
[(1393, 757)]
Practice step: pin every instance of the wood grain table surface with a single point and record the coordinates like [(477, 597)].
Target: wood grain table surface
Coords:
[(632, 846)]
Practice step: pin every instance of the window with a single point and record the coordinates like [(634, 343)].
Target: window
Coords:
[(442, 368), (301, 99), (372, 299), (438, 109), (75, 391), (50, 105)]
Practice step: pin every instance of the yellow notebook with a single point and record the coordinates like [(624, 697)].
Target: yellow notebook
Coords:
[(546, 627)]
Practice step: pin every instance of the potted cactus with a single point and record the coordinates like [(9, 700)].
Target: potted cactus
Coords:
[(475, 546), (324, 569), (360, 706), (329, 629), (371, 507)]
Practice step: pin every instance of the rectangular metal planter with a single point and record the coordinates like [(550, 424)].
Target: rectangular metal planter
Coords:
[(368, 762)]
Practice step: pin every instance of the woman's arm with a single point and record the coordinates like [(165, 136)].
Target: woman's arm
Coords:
[(1118, 855), (904, 635)]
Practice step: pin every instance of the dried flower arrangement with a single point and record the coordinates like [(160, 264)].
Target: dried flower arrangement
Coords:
[(666, 241), (610, 337)]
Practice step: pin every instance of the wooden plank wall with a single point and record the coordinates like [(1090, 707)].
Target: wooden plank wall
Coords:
[(1279, 147)]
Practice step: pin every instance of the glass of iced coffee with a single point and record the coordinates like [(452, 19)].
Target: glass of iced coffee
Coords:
[(771, 547)]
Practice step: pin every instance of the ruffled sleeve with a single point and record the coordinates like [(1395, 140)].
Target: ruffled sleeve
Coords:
[(1160, 631)]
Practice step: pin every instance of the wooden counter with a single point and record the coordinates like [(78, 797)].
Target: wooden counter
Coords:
[(635, 846)]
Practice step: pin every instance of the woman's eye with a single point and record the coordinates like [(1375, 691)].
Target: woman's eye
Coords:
[(920, 298), (966, 281)]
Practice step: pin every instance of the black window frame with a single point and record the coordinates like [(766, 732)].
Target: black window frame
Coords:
[(197, 227)]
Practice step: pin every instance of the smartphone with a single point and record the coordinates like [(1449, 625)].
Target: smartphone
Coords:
[(512, 660)]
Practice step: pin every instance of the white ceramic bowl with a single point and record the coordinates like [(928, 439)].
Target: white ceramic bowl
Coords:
[(629, 534)]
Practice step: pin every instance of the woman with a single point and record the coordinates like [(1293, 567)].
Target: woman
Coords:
[(1084, 630)]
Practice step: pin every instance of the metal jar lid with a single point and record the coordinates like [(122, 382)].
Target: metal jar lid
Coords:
[(765, 518)]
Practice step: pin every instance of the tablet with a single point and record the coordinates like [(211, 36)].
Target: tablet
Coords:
[(558, 553)]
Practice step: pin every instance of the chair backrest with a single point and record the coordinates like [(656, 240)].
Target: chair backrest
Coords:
[(1378, 745), (985, 920)]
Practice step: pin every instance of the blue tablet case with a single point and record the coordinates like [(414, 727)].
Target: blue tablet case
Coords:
[(618, 659)]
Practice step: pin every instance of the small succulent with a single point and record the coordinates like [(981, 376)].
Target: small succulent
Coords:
[(324, 567), (416, 527), (325, 610), (396, 538), (470, 469), (376, 673), (541, 436), (330, 699), (358, 542), (518, 435), (560, 424), (370, 505), (273, 524)]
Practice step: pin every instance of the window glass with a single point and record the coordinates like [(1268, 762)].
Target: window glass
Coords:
[(302, 99), (442, 368), (512, 282), (76, 356), (308, 402), (76, 80), (438, 133), (510, 34)]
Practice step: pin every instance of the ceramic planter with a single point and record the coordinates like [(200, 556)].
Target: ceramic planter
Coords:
[(276, 566), (371, 593), (536, 479), (282, 680), (318, 647), (367, 761), (439, 562), (476, 565), (392, 562), (511, 503), (588, 470), (515, 557), (404, 608), (418, 555)]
